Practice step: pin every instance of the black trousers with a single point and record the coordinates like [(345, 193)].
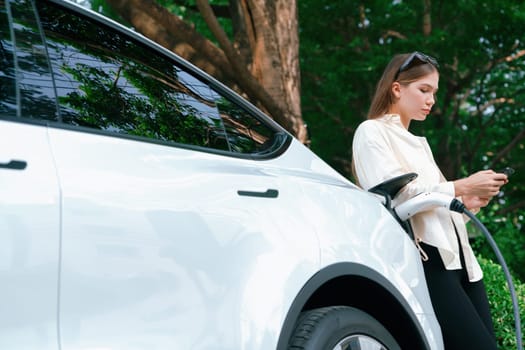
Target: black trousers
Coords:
[(461, 307)]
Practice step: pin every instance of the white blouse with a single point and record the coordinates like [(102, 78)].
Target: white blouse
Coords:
[(382, 149)]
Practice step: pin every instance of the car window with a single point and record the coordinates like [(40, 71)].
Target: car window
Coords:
[(22, 57), (7, 67), (107, 81)]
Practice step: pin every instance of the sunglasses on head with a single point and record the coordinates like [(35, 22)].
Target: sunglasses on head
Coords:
[(415, 59)]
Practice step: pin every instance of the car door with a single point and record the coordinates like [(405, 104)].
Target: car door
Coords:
[(29, 190), (172, 231), (29, 238), (161, 250)]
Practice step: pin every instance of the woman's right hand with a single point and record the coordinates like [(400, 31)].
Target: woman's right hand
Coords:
[(485, 184)]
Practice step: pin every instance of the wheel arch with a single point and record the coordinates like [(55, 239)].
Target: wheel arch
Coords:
[(359, 286)]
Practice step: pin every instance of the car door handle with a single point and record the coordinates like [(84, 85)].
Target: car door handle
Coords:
[(14, 165), (269, 193)]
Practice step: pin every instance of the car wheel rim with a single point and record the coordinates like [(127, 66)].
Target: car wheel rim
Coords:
[(359, 342)]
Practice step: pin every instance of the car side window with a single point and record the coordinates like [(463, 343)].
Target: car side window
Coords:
[(108, 81), (7, 66), (26, 84)]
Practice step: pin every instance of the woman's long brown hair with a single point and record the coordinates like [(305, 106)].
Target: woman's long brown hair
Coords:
[(383, 97)]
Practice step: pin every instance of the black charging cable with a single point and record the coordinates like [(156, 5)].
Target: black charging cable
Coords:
[(459, 207)]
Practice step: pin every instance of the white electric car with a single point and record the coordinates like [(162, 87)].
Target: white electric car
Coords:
[(144, 205)]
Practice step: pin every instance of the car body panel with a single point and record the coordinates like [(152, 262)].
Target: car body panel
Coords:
[(162, 232), (29, 239)]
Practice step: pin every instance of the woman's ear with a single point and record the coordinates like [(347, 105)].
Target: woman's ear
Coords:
[(396, 89)]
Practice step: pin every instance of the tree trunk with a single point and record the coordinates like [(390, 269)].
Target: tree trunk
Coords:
[(271, 31), (262, 63), (427, 21)]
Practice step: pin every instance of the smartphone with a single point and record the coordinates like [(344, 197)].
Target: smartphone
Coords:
[(507, 171)]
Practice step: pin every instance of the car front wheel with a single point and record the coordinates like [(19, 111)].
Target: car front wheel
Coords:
[(340, 328)]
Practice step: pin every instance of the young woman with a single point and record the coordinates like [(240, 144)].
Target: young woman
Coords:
[(383, 148)]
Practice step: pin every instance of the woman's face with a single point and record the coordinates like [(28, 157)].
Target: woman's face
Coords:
[(415, 100)]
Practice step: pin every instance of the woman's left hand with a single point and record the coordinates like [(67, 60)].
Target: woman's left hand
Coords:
[(475, 202)]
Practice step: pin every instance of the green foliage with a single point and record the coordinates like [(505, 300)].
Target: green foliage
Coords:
[(508, 235), (345, 46), (501, 303)]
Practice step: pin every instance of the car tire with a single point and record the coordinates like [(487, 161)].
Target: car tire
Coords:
[(340, 328)]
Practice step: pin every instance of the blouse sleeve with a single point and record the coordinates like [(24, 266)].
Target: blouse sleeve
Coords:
[(375, 161)]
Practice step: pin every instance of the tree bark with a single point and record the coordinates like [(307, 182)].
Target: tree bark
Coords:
[(427, 21), (274, 43)]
